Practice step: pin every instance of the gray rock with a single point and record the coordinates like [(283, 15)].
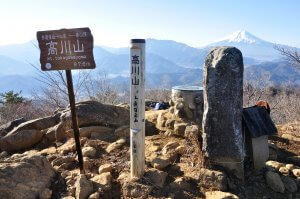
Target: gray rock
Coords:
[(223, 105), (25, 176), (274, 182)]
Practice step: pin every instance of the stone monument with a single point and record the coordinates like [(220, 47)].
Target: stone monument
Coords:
[(223, 107)]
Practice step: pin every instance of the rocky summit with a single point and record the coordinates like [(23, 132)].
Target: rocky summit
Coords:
[(38, 159)]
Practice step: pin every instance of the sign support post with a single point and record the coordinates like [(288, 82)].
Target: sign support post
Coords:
[(137, 108), (74, 119)]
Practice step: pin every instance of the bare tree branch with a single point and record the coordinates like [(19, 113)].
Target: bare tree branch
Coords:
[(290, 54)]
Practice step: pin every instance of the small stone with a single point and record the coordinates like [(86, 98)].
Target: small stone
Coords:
[(290, 167), (103, 180), (160, 163), (95, 195), (136, 190), (115, 145), (156, 177), (179, 128), (89, 152), (105, 168), (274, 164), (284, 170), (84, 187), (220, 195), (296, 172), (289, 184), (274, 182)]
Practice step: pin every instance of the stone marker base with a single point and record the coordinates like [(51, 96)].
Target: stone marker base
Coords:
[(231, 166)]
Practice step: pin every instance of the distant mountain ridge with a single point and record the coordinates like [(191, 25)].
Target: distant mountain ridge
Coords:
[(168, 61)]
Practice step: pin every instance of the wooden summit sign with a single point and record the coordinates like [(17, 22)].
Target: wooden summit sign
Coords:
[(66, 49)]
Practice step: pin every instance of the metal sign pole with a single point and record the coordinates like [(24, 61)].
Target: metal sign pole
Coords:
[(74, 119), (137, 108)]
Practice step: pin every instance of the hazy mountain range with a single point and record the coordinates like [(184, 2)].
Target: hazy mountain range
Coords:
[(169, 62)]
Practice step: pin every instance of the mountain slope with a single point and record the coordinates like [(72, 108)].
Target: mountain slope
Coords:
[(11, 66)]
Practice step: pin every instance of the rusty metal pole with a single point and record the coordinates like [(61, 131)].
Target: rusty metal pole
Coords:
[(74, 119)]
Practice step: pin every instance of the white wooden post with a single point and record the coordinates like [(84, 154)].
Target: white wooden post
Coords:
[(137, 107)]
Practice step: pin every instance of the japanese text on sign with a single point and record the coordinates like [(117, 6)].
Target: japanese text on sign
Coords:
[(66, 49)]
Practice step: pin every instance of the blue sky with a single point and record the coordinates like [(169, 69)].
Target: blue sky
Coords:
[(114, 22)]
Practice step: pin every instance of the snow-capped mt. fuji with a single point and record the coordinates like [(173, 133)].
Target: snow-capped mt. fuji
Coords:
[(250, 45), (242, 36)]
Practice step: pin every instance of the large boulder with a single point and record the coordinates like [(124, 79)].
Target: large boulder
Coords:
[(17, 140), (25, 176), (93, 113)]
